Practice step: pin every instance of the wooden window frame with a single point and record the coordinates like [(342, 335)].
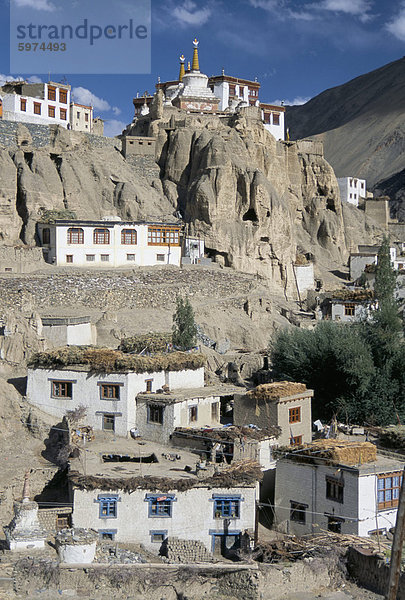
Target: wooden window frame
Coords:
[(111, 417), (129, 237), (193, 413), (69, 259), (296, 440), (37, 108), (156, 414), (132, 259), (227, 507), (63, 96), (52, 93), (46, 235), (163, 236), (23, 105), (215, 411), (104, 257), (109, 391), (393, 489), (63, 114), (101, 236), (276, 118), (334, 489), (86, 117), (148, 386), (51, 111), (75, 235), (335, 523), (350, 309), (298, 512), (294, 414), (90, 258), (61, 389)]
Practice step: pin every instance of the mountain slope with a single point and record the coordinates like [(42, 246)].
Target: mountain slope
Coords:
[(362, 124)]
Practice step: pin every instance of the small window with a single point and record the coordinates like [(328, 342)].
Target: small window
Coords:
[(160, 505), (109, 422), (61, 389), (86, 117), (297, 512), (109, 391), (334, 489), (37, 108), (155, 413), (51, 93), (128, 237), (75, 235), (131, 257), (267, 116), (160, 257), (276, 119), (227, 507), (63, 96), (46, 235), (215, 411), (62, 114), (51, 111), (294, 415), (105, 258), (78, 115), (362, 186), (335, 524), (148, 384), (23, 105), (296, 440), (193, 413), (69, 258), (108, 506), (158, 537), (388, 487), (90, 257), (107, 534), (101, 236), (350, 309)]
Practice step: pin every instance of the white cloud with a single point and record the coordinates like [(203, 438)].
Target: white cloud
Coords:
[(189, 13), (396, 25), (7, 78), (113, 127), (85, 96), (116, 110), (34, 79), (36, 4), (358, 8), (298, 100), (310, 11)]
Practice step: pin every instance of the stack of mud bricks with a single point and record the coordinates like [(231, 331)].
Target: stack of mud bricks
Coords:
[(187, 551)]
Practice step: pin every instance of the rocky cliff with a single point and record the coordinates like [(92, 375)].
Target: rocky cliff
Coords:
[(257, 202)]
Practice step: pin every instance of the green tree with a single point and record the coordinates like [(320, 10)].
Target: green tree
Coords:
[(184, 327)]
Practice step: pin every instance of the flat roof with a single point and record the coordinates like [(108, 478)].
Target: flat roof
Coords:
[(183, 394), (47, 321), (109, 223), (382, 464), (229, 433), (234, 80)]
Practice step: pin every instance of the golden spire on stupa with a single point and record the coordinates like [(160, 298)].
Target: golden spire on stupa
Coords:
[(182, 71), (196, 66)]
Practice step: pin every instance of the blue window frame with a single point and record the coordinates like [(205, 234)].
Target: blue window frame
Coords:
[(158, 536), (108, 506), (107, 534), (160, 505), (227, 507)]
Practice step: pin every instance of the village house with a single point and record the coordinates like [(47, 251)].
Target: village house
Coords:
[(42, 103), (71, 331), (110, 243), (146, 496), (344, 487), (81, 117), (283, 404), (349, 305), (106, 382), (352, 189)]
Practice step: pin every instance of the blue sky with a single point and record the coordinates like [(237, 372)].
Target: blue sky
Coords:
[(296, 48)]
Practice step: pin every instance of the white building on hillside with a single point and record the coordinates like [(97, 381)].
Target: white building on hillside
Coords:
[(273, 119), (231, 91), (352, 189), (42, 103), (110, 243), (358, 498), (81, 117)]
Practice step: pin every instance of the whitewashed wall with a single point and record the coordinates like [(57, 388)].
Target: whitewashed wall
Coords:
[(12, 109)]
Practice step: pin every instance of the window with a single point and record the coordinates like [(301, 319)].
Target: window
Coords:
[(131, 257), (61, 389), (276, 119), (51, 92), (294, 415), (160, 258), (108, 506), (267, 117), (75, 235), (128, 237), (148, 383), (62, 114), (334, 489), (192, 414), (241, 90), (158, 536), (155, 413), (388, 486), (46, 235), (78, 115), (296, 440), (107, 534), (51, 111), (101, 236), (227, 507), (362, 186), (335, 524), (109, 391), (69, 258), (231, 89), (105, 257), (349, 309), (163, 236), (63, 96), (108, 422), (90, 257), (86, 117), (160, 505), (37, 108), (297, 512), (215, 411), (23, 105)]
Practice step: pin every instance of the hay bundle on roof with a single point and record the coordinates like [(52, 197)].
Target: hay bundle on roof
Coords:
[(393, 436), (277, 389), (360, 294), (150, 342), (341, 452)]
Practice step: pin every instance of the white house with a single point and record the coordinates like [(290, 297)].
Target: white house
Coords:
[(110, 243), (194, 249), (273, 119), (81, 117), (356, 497), (69, 331), (109, 394), (151, 501), (352, 189), (231, 91), (42, 103)]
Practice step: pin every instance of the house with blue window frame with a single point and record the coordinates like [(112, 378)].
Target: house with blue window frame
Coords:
[(146, 502)]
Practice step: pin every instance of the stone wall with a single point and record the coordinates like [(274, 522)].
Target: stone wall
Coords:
[(186, 551), (48, 517), (372, 572), (144, 165), (310, 147), (21, 259)]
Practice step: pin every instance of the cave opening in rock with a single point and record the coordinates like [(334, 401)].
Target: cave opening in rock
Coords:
[(250, 215)]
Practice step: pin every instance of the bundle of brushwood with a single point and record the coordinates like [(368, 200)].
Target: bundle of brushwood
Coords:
[(148, 343), (277, 389), (338, 452), (392, 436)]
